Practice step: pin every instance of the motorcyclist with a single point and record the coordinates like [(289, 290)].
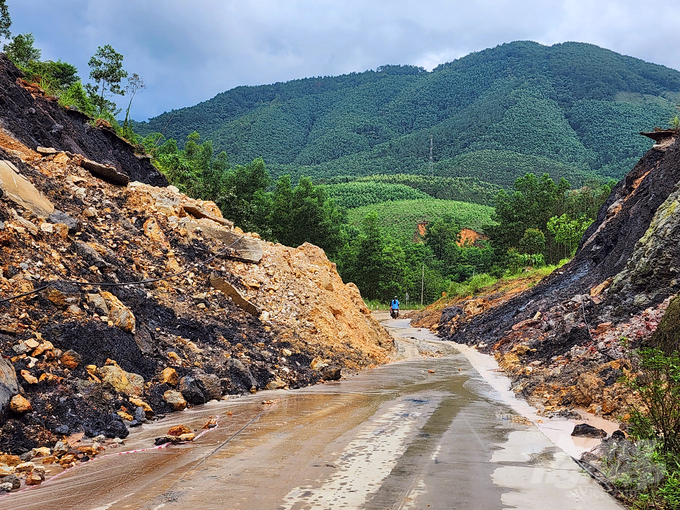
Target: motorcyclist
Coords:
[(394, 308)]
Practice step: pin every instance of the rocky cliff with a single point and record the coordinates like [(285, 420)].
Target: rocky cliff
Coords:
[(565, 341), (122, 299)]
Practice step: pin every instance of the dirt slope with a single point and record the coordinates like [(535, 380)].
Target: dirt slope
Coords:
[(180, 307)]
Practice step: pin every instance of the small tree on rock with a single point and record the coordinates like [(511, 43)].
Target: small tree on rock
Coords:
[(107, 72)]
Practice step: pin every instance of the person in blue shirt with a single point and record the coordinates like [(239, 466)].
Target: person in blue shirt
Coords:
[(394, 308)]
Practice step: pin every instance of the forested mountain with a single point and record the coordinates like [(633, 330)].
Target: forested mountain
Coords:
[(572, 110)]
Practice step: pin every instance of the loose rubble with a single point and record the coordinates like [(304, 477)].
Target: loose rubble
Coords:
[(140, 301)]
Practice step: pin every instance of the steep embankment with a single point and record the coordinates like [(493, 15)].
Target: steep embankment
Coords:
[(562, 340), (140, 300)]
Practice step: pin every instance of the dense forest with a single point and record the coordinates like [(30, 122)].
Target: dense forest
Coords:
[(494, 115)]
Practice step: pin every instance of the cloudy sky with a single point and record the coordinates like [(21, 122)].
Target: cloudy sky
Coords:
[(188, 51)]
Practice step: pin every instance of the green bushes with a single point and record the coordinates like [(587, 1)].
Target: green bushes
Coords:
[(647, 471), (359, 194)]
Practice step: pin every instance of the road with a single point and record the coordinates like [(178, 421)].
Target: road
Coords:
[(416, 434)]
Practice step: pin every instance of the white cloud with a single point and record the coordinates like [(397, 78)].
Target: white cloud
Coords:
[(188, 52)]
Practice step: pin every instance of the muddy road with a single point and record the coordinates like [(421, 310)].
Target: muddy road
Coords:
[(419, 433)]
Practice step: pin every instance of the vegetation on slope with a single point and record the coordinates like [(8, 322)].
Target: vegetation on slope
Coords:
[(521, 99), (400, 218)]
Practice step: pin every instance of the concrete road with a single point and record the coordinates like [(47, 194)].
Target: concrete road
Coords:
[(417, 434)]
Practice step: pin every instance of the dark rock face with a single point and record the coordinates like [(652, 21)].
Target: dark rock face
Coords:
[(667, 334), (42, 122), (8, 384), (192, 390), (585, 430)]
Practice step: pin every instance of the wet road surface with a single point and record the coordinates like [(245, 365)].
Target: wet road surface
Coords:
[(424, 433)]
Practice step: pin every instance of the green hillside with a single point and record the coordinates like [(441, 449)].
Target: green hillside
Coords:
[(400, 218), (571, 109)]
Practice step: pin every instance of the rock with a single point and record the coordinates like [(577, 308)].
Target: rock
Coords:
[(19, 190), (169, 376), (148, 411), (5, 486), (28, 377), (154, 232), (449, 313), (119, 314), (105, 172), (240, 374), (192, 390), (89, 255), (13, 480), (71, 359), (44, 346), (62, 429), (275, 384), (190, 436), (46, 151), (175, 400), (230, 291), (120, 380), (62, 294), (212, 388), (20, 405), (178, 430), (24, 467), (318, 364), (9, 386), (31, 344), (585, 430), (41, 452), (97, 302), (10, 460), (587, 389), (139, 415), (61, 217), (115, 427), (34, 479), (331, 373)]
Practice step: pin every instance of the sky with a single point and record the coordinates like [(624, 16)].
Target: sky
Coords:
[(189, 51)]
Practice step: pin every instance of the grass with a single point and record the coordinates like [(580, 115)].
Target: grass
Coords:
[(400, 218), (483, 283)]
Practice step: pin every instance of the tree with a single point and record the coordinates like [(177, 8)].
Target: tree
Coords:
[(134, 85), (21, 51), (532, 204), (533, 244), (5, 20), (568, 232), (106, 69), (305, 214), (375, 264)]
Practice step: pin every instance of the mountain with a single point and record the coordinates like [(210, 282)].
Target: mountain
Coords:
[(571, 109)]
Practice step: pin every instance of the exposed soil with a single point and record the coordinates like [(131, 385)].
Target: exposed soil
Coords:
[(121, 323)]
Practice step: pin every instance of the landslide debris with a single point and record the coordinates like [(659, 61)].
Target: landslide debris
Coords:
[(137, 300), (565, 342)]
